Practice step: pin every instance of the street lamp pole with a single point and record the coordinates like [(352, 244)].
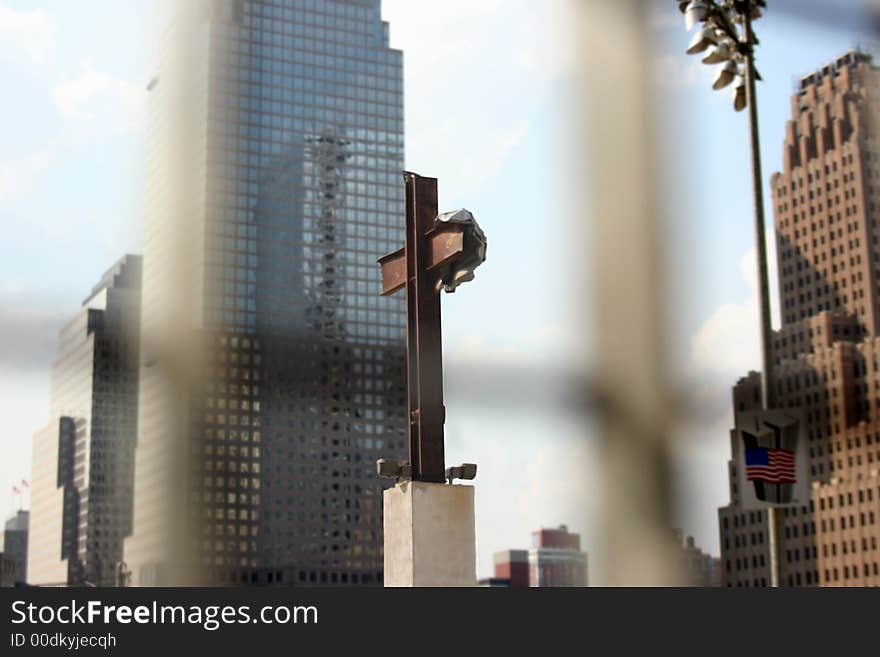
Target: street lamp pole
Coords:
[(720, 19), (768, 400), (775, 518)]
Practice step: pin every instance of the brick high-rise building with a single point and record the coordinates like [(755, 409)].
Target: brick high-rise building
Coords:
[(826, 203), (273, 373)]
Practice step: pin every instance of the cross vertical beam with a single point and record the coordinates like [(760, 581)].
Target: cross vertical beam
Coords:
[(424, 345)]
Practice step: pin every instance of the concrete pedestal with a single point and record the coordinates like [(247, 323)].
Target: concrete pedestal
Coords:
[(429, 535)]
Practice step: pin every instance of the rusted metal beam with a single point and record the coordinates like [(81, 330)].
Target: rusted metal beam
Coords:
[(414, 268), (424, 345), (443, 246)]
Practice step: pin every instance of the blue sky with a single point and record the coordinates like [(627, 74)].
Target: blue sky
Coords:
[(488, 105)]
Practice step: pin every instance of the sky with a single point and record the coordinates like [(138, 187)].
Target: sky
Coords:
[(489, 100)]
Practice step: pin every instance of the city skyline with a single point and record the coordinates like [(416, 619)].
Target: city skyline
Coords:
[(510, 337)]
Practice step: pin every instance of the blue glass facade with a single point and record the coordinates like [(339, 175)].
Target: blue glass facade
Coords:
[(307, 136), (306, 384)]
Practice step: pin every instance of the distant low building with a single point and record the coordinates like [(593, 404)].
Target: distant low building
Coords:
[(15, 543), (494, 583), (7, 570), (554, 560), (512, 566), (700, 569)]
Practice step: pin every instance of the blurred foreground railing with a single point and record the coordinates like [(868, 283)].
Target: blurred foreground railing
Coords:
[(628, 310)]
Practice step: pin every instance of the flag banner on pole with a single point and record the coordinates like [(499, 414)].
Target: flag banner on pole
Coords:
[(769, 454)]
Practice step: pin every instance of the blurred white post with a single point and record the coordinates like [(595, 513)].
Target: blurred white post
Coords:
[(626, 248)]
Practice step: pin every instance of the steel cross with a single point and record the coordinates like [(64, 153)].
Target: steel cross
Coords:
[(418, 268)]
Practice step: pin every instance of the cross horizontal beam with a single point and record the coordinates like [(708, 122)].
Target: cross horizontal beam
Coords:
[(444, 245)]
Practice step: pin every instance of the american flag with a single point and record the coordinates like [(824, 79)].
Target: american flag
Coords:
[(773, 466)]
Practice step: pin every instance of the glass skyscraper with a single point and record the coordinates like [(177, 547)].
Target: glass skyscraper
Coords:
[(81, 487), (273, 373)]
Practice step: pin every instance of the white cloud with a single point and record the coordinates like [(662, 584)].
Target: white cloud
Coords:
[(665, 16), (476, 73), (559, 487), (676, 70), (31, 32), (534, 471), (24, 406), (29, 332), (547, 349), (94, 95), (406, 16), (477, 349), (91, 99), (725, 348), (480, 164), (728, 342), (701, 449), (18, 176)]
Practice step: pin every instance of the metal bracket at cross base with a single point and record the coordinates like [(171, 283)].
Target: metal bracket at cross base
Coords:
[(437, 254)]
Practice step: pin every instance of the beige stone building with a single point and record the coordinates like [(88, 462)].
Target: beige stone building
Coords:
[(81, 487), (699, 568), (826, 204)]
